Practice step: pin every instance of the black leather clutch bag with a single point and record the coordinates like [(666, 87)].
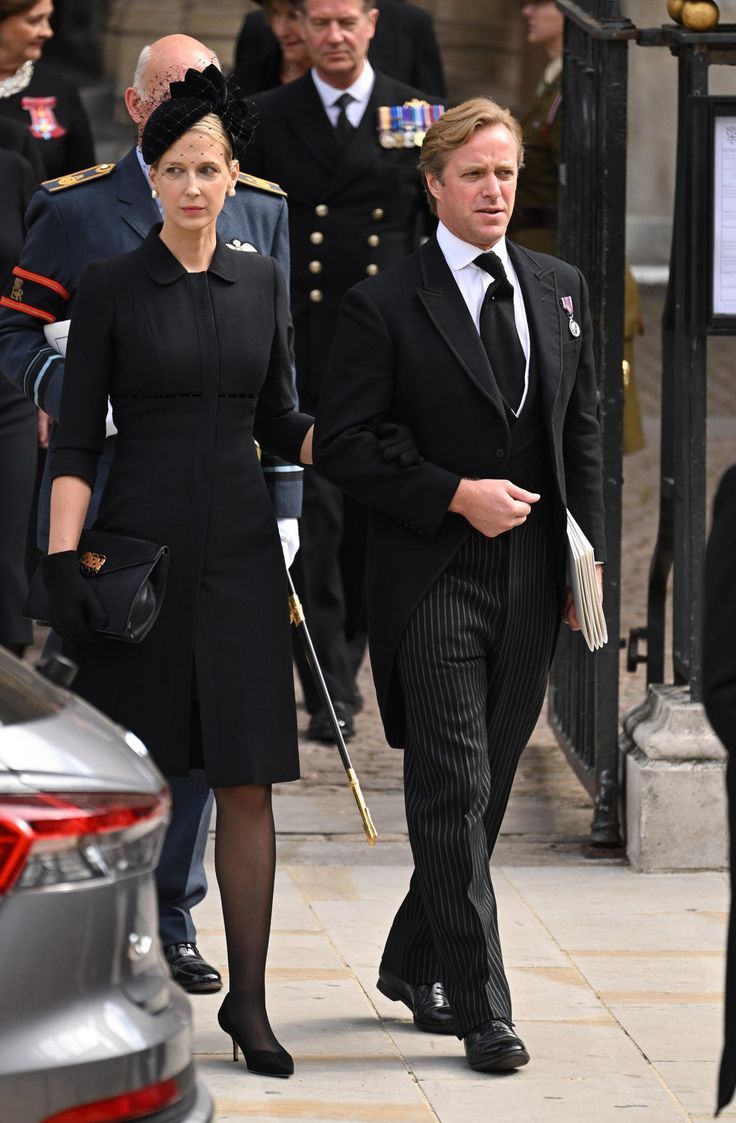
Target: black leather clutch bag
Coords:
[(129, 576)]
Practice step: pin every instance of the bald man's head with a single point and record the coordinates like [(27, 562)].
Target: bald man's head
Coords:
[(163, 62)]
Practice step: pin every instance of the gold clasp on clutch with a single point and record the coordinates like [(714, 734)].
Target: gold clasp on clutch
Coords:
[(92, 563)]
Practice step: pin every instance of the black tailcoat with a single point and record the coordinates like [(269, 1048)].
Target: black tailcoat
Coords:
[(719, 696), (352, 211), (407, 349)]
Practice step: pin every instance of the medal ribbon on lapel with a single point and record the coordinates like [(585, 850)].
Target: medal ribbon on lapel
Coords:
[(573, 325)]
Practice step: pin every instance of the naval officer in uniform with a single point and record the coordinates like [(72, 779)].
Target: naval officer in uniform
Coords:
[(98, 212), (355, 206)]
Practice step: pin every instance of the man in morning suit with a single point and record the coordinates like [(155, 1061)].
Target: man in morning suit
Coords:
[(719, 697), (103, 211), (355, 206), (484, 350)]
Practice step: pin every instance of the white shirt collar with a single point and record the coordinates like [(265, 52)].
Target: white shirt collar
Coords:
[(360, 89), (458, 253)]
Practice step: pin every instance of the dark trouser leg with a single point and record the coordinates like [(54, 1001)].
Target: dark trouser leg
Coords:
[(18, 442), (319, 582), (536, 602), (458, 640), (180, 878)]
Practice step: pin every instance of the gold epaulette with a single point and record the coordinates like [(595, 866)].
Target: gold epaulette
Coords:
[(74, 178), (260, 184)]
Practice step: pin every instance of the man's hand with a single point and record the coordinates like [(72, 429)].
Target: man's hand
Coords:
[(43, 426), (569, 615), (492, 506)]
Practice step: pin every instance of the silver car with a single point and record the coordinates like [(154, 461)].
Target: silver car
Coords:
[(92, 1028)]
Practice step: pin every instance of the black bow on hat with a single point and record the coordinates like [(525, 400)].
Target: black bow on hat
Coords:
[(201, 92)]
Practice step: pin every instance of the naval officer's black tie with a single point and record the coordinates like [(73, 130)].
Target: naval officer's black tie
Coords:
[(343, 128), (498, 331)]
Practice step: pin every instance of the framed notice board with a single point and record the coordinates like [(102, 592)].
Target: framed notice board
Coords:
[(721, 257)]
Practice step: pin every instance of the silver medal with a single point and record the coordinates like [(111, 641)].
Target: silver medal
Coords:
[(574, 328)]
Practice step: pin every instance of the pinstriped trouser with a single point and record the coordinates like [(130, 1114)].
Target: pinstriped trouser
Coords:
[(473, 664)]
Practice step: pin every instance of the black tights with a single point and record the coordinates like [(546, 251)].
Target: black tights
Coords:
[(245, 863)]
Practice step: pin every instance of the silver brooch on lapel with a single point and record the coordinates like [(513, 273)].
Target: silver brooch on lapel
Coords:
[(236, 244)]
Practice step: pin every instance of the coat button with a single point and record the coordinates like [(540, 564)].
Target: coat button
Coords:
[(315, 267), (500, 454), (321, 210), (316, 238), (315, 296), (371, 270), (374, 240), (377, 213)]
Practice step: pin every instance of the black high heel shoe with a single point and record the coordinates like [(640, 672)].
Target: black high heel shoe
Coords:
[(265, 1062)]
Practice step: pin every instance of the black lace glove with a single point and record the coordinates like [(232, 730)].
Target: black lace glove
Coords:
[(396, 442), (75, 610)]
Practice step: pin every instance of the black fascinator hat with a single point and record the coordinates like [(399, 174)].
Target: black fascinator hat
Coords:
[(201, 92)]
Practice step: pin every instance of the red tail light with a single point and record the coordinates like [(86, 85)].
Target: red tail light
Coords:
[(131, 1105), (60, 839)]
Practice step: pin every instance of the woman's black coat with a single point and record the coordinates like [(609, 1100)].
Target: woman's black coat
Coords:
[(195, 364)]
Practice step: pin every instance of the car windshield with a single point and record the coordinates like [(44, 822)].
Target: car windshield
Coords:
[(25, 696)]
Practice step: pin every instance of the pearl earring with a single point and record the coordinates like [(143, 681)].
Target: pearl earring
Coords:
[(154, 193), (231, 191)]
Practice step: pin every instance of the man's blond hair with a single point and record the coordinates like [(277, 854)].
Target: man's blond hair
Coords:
[(455, 128)]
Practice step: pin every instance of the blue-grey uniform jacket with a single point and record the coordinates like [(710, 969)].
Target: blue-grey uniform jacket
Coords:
[(97, 214)]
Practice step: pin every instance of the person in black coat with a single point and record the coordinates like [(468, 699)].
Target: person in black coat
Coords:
[(404, 47), (487, 357), (355, 206), (45, 103), (719, 698), (160, 332), (17, 423)]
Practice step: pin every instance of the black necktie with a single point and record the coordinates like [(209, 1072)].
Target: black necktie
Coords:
[(343, 129), (498, 331)]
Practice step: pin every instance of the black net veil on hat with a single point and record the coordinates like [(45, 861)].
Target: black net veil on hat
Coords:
[(200, 93)]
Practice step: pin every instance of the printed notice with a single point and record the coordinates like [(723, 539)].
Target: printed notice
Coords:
[(724, 218)]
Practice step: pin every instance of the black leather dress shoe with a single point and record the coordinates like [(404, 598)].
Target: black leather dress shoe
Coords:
[(427, 1002), (190, 971), (494, 1047), (320, 729)]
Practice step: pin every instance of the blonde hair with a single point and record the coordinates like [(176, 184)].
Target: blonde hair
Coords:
[(455, 128), (212, 127)]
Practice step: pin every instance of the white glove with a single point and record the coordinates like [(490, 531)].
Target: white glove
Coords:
[(289, 535)]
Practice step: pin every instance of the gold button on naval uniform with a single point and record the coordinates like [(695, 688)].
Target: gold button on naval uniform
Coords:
[(321, 210), (315, 296), (374, 240), (316, 238), (315, 267), (371, 270), (377, 214)]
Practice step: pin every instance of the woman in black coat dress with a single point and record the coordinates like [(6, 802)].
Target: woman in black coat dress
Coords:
[(36, 97), (189, 340)]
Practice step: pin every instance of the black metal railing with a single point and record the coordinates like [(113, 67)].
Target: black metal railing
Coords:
[(686, 323), (583, 700)]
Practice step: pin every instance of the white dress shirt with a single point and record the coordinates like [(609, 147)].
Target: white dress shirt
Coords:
[(473, 282), (360, 91)]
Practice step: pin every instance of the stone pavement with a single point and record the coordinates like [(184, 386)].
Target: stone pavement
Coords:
[(617, 977)]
